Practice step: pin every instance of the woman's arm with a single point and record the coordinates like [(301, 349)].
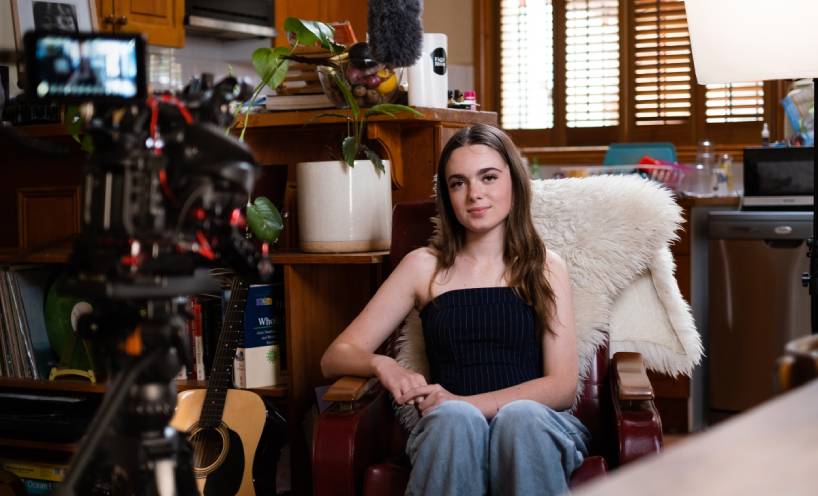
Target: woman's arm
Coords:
[(557, 388), (353, 351)]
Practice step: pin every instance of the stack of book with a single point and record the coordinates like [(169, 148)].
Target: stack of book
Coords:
[(298, 102), (38, 477), (301, 88), (301, 78), (258, 356)]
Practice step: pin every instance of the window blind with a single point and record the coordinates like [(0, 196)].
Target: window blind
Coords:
[(526, 64), (592, 63), (737, 102), (662, 63)]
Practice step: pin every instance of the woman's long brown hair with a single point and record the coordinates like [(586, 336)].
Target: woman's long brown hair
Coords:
[(524, 251)]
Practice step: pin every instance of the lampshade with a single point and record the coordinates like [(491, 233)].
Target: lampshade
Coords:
[(753, 40)]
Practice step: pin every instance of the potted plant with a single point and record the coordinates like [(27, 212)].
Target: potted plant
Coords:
[(344, 205), (271, 64)]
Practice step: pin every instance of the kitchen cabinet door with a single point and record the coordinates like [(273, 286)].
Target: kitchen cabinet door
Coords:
[(354, 11), (161, 21)]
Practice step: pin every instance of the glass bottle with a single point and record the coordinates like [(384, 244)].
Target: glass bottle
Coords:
[(700, 180), (722, 182)]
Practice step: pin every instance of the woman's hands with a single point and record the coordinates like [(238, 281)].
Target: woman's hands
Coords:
[(427, 397), (396, 379), (408, 387)]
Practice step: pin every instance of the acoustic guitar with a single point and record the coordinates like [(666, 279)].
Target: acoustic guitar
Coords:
[(224, 425)]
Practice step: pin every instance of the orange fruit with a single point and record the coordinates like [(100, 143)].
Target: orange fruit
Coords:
[(388, 85)]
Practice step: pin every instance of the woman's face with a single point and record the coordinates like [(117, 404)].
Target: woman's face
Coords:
[(479, 185)]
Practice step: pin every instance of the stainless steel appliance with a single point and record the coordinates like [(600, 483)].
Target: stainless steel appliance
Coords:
[(232, 19), (778, 178), (756, 301)]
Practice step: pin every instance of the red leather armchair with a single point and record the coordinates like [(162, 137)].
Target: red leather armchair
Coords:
[(358, 444)]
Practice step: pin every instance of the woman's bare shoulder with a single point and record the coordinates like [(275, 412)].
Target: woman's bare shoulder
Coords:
[(554, 263), (423, 259)]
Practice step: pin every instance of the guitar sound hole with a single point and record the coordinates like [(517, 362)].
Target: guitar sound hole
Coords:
[(207, 446)]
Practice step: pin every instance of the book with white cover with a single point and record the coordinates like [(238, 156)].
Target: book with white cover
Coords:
[(258, 358)]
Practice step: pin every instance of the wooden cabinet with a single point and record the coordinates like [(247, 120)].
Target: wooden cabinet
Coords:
[(354, 11), (323, 292), (161, 21)]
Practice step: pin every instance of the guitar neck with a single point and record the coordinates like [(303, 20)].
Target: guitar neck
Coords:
[(221, 374)]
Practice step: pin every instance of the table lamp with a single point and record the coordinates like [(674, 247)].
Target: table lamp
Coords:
[(753, 40)]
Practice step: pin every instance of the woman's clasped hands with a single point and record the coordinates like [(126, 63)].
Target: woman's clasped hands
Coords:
[(409, 387), (426, 398)]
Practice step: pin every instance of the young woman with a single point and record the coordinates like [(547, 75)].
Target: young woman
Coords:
[(499, 328)]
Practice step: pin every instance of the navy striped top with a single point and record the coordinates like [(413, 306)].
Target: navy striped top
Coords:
[(480, 340)]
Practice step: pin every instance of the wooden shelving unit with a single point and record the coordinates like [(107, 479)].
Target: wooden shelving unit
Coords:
[(61, 254), (7, 442), (323, 292), (72, 386)]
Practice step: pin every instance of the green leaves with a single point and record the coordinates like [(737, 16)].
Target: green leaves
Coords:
[(374, 158), (264, 219), (270, 65), (310, 32), (390, 109), (348, 97), (74, 122), (350, 149)]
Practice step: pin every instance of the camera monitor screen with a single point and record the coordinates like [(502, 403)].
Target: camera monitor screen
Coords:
[(85, 67)]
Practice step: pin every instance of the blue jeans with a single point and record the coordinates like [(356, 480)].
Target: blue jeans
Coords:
[(527, 449)]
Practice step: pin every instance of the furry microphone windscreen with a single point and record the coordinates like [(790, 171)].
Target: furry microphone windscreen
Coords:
[(395, 31)]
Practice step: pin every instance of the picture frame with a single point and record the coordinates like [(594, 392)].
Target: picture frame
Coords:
[(70, 16)]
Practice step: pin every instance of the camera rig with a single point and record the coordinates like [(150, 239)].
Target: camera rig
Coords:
[(163, 193)]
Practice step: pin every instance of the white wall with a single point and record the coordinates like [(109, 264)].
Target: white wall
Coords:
[(454, 17), (203, 54)]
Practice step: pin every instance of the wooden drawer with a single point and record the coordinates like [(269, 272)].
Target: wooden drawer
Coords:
[(47, 215)]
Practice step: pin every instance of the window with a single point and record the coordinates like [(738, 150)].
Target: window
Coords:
[(662, 63), (737, 102), (628, 75), (592, 63), (527, 67)]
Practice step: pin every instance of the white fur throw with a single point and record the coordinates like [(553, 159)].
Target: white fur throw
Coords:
[(614, 233)]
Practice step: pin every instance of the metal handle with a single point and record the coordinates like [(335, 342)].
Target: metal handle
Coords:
[(121, 21), (109, 19)]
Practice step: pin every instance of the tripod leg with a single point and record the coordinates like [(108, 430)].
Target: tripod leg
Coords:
[(108, 410)]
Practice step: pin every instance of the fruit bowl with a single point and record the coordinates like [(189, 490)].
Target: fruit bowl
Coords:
[(370, 84)]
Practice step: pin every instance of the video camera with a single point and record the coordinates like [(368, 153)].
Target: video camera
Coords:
[(165, 185)]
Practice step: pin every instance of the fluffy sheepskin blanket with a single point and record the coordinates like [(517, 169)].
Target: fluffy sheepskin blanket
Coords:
[(614, 233)]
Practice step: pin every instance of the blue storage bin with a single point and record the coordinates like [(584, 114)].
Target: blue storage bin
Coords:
[(631, 153)]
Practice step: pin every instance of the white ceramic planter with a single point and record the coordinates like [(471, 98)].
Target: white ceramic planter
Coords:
[(344, 209)]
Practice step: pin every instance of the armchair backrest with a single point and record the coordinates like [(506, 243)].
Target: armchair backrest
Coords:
[(411, 228)]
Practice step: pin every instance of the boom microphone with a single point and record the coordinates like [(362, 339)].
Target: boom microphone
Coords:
[(395, 31)]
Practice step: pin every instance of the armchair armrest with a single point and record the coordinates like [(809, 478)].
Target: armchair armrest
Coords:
[(631, 377), (357, 431), (637, 423), (800, 363), (349, 388)]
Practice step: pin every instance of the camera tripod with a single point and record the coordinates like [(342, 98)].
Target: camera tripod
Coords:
[(130, 449)]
